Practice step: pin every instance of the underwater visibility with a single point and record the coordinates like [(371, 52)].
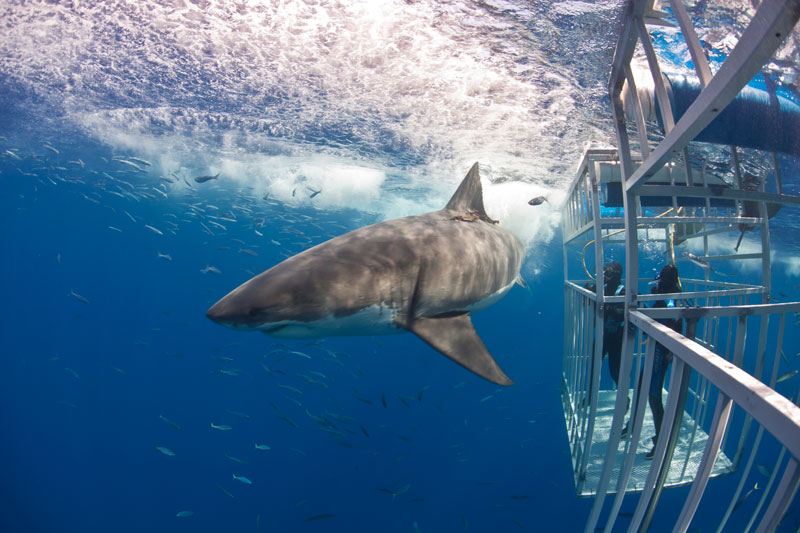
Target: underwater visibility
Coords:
[(353, 190)]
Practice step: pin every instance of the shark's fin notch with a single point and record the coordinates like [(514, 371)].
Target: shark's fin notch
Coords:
[(455, 337), (469, 195)]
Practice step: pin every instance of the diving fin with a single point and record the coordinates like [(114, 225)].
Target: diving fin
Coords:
[(455, 337)]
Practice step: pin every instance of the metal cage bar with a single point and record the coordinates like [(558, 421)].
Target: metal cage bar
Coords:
[(778, 415), (773, 20), (718, 426), (700, 208)]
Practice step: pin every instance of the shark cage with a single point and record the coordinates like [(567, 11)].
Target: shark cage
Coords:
[(694, 182)]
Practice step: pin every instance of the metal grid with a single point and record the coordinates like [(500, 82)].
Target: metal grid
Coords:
[(705, 374), (684, 465)]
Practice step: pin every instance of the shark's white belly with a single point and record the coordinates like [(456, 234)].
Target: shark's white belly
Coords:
[(372, 320)]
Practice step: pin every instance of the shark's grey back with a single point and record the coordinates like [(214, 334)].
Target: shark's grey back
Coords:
[(422, 265)]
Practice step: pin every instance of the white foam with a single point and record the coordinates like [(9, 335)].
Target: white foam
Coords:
[(344, 182), (791, 265), (723, 244), (508, 202), (431, 82), (381, 104)]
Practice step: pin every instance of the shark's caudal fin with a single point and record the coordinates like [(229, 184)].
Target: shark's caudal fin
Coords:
[(455, 337), (469, 195)]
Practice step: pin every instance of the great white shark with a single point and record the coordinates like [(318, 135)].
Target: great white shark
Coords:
[(423, 273)]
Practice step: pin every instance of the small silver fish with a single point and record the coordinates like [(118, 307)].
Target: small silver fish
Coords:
[(142, 161), (537, 201), (154, 230), (289, 387), (170, 422), (45, 145), (262, 447), (221, 427), (744, 498), (203, 179), (131, 164), (699, 261), (209, 268), (787, 376), (242, 479), (324, 516), (184, 514), (165, 451), (78, 297)]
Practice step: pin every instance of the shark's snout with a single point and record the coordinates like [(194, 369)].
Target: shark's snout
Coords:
[(217, 313), (253, 305), (233, 314)]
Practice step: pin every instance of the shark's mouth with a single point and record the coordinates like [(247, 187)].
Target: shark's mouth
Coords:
[(293, 330), (273, 329)]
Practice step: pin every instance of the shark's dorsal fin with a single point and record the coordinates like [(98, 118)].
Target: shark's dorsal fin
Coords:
[(454, 336), (469, 195)]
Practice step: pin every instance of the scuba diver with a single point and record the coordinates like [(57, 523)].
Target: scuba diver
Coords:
[(667, 282), (613, 318)]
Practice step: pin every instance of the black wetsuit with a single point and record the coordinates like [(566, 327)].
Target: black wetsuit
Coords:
[(661, 360), (613, 320)]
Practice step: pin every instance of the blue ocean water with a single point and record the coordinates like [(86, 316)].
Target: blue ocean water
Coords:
[(107, 358), (85, 386)]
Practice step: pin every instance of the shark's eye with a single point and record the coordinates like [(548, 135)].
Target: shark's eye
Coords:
[(253, 312)]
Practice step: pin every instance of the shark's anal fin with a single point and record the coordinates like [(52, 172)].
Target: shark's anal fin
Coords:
[(455, 337)]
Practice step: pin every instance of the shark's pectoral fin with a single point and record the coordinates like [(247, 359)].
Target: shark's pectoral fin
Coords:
[(455, 337)]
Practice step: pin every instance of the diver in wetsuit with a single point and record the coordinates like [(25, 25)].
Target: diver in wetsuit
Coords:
[(668, 282), (613, 318)]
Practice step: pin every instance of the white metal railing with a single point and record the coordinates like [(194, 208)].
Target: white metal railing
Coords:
[(769, 27), (772, 411), (722, 364)]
